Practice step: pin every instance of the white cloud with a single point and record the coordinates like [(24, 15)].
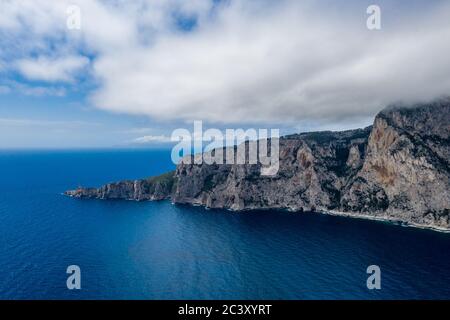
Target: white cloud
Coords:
[(20, 122), (148, 139), (28, 90), (38, 91), (281, 64), (48, 69), (151, 139), (249, 61)]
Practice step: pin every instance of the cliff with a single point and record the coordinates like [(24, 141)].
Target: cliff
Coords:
[(154, 188), (398, 169)]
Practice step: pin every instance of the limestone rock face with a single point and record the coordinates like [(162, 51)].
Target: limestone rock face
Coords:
[(397, 169), (156, 188), (313, 169), (406, 171)]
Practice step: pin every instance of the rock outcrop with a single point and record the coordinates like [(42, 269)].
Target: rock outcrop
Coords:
[(398, 169), (154, 188)]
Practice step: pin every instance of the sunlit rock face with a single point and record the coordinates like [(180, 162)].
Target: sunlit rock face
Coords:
[(406, 169)]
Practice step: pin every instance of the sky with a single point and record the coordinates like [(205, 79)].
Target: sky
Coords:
[(131, 72)]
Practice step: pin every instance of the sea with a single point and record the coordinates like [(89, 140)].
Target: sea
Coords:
[(158, 250)]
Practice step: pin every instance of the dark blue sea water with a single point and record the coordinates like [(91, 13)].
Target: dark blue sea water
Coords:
[(131, 250)]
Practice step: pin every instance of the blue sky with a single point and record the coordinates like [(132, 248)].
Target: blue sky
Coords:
[(135, 72)]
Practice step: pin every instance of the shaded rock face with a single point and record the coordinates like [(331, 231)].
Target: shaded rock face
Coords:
[(313, 169), (396, 169)]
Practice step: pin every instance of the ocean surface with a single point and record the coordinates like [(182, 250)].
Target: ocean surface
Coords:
[(156, 250)]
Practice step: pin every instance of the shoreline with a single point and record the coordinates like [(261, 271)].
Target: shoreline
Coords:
[(392, 221)]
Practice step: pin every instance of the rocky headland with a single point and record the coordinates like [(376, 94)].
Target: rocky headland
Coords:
[(396, 170)]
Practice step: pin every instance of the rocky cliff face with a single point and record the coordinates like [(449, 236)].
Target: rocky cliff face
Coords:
[(406, 171), (155, 188), (397, 169), (314, 167)]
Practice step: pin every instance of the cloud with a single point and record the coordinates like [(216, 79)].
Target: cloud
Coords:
[(50, 69), (151, 139), (287, 63), (20, 122), (29, 90), (38, 91), (245, 61), (148, 139)]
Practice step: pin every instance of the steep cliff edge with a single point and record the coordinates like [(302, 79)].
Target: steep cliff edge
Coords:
[(313, 169), (406, 172), (398, 169), (154, 188)]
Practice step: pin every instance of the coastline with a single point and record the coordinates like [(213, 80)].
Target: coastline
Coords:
[(389, 220)]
